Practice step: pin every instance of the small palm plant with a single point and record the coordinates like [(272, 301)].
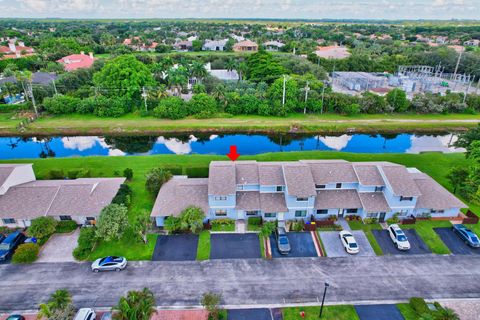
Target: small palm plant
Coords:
[(137, 305)]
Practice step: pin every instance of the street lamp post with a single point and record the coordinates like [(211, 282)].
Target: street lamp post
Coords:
[(323, 300)]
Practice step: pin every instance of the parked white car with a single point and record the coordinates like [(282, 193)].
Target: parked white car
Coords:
[(398, 237), (349, 242), (85, 314)]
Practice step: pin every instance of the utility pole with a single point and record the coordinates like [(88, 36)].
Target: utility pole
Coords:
[(307, 88), (144, 95), (468, 88), (323, 300), (284, 90), (456, 70), (54, 87), (30, 93), (323, 95)]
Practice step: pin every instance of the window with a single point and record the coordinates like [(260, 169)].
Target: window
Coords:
[(402, 213), (251, 212), (9, 221), (220, 213), (372, 214), (320, 186), (402, 198), (240, 187), (280, 188), (65, 218), (338, 186), (220, 198), (300, 213), (352, 210), (302, 199), (437, 211), (379, 189), (270, 214), (90, 218), (322, 211)]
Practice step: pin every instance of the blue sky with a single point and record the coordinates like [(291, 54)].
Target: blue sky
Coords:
[(311, 9)]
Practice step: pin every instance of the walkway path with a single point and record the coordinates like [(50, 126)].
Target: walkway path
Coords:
[(344, 224)]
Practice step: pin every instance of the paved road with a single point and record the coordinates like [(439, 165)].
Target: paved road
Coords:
[(253, 281)]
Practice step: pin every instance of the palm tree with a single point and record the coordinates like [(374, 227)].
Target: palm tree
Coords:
[(25, 78), (59, 301), (231, 64), (242, 69), (176, 78), (137, 305), (197, 70), (447, 314)]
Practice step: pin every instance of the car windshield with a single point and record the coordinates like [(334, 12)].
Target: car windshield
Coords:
[(474, 238), (353, 245), (401, 237), (4, 246), (283, 240)]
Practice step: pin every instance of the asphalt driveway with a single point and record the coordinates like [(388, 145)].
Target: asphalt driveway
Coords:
[(59, 247), (301, 244), (235, 246), (454, 243), (249, 314), (334, 248), (378, 312), (417, 246), (179, 247)]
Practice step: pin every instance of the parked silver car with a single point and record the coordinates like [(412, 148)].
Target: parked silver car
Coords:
[(110, 263), (283, 244)]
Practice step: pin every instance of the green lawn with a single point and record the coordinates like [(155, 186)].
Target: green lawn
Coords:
[(436, 165), (8, 122), (407, 311), (367, 228), (203, 250), (345, 312), (320, 239), (425, 230), (134, 123), (223, 227), (128, 247), (262, 246)]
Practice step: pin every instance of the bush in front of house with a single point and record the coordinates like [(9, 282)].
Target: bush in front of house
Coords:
[(255, 221), (393, 219), (298, 225), (155, 179), (225, 224), (42, 227), (66, 226), (191, 219), (26, 253), (56, 174), (123, 195), (112, 222), (268, 228), (128, 174), (86, 242)]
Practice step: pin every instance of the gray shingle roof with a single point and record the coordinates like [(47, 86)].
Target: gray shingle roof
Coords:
[(248, 200), (4, 174), (246, 172), (401, 181), (299, 180), (273, 202), (270, 174), (434, 196), (368, 175), (337, 199), (37, 77), (333, 172), (222, 180), (180, 193), (374, 202)]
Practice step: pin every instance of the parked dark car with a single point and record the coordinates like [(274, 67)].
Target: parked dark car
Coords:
[(11, 242), (15, 317), (2, 237), (467, 235), (282, 241)]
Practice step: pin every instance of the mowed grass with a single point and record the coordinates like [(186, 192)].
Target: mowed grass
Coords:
[(203, 249), (436, 165), (135, 124), (367, 228), (8, 122), (343, 312), (407, 311), (425, 230)]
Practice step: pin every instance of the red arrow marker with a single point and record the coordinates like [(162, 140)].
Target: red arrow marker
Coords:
[(233, 155)]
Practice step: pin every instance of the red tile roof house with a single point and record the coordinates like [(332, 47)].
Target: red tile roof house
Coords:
[(136, 44), (12, 51), (23, 198), (307, 189), (77, 61)]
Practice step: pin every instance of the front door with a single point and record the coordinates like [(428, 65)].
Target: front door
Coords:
[(341, 212), (382, 217)]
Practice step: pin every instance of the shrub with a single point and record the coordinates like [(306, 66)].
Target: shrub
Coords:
[(171, 108), (60, 104), (84, 173), (204, 114), (223, 221), (268, 228), (175, 171), (352, 109), (155, 179), (42, 227), (123, 195), (72, 174), (255, 221), (172, 224), (202, 103), (112, 222), (110, 107), (56, 174), (393, 219), (192, 219), (370, 220), (86, 242), (419, 305), (26, 253), (66, 226), (298, 225), (200, 172), (128, 174)]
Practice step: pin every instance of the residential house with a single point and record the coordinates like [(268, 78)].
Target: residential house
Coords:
[(214, 45), (15, 50), (222, 74), (77, 61), (245, 46), (307, 189), (183, 45), (273, 45), (472, 43), (136, 44), (23, 198), (43, 78), (237, 38), (332, 52)]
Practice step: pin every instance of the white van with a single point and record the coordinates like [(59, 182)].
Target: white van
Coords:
[(85, 314)]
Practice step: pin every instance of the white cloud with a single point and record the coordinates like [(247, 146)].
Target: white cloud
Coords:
[(177, 146), (336, 143), (433, 143)]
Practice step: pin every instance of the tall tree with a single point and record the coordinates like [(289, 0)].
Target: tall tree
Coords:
[(197, 70), (112, 222), (177, 78)]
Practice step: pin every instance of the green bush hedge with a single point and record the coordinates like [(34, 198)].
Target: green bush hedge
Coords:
[(66, 226), (86, 243), (26, 253), (123, 196), (42, 227), (175, 171), (419, 305), (56, 174), (255, 221), (6, 108), (199, 172)]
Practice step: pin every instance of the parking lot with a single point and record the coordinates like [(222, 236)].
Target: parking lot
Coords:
[(378, 312), (334, 248), (454, 243), (417, 246), (180, 247), (235, 246), (301, 244)]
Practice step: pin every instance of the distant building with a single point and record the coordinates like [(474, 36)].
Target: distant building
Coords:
[(136, 44), (332, 52), (15, 50), (245, 46), (183, 45), (472, 43), (237, 38), (77, 61), (273, 45), (214, 45), (223, 74), (360, 81)]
